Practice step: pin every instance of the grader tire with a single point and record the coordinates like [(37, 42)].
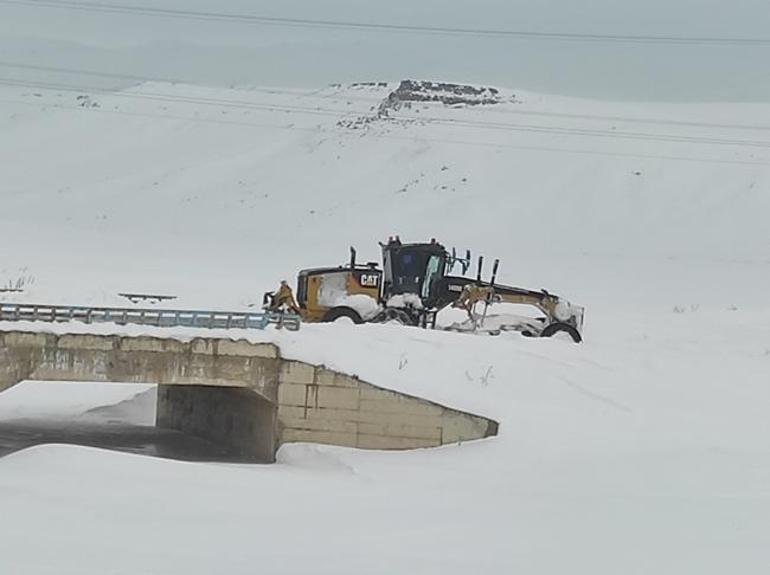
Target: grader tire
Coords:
[(337, 312), (398, 315), (555, 328)]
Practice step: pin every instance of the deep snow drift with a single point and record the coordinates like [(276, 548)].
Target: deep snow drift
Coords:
[(644, 450)]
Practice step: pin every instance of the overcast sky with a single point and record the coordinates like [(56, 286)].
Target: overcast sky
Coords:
[(255, 54)]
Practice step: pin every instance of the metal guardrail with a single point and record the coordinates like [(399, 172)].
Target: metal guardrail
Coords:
[(152, 317)]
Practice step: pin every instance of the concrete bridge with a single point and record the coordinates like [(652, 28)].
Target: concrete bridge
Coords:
[(240, 393)]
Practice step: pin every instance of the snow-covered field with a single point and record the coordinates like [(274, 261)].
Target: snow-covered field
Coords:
[(644, 450)]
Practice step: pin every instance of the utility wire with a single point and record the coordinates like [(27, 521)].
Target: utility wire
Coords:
[(238, 104), (634, 120), (385, 27), (414, 139), (138, 78), (338, 114), (377, 99), (596, 133)]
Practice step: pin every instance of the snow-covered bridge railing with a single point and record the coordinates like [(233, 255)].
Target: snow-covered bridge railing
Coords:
[(153, 317)]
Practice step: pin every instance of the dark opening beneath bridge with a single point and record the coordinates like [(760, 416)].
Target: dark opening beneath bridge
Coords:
[(193, 423)]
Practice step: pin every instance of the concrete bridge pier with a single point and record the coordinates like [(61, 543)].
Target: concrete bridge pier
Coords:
[(237, 417)]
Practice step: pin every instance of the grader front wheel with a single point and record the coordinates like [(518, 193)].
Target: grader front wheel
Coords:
[(559, 327)]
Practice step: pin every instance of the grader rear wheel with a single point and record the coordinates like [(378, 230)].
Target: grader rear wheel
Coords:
[(336, 313)]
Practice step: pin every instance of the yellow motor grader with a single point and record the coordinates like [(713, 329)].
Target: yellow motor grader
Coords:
[(413, 285)]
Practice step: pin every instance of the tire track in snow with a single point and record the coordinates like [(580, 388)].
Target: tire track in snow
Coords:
[(596, 396)]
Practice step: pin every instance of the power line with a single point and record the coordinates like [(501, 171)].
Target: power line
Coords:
[(319, 111), (238, 104), (418, 139), (598, 133), (636, 120), (384, 27), (375, 99), (137, 78)]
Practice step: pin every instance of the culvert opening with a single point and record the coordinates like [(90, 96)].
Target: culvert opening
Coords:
[(115, 416)]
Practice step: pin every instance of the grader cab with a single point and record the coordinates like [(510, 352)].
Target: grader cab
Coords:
[(413, 285)]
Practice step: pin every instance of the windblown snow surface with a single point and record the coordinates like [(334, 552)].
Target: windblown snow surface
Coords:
[(644, 450)]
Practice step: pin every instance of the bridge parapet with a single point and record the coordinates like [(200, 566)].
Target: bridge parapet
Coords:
[(139, 359)]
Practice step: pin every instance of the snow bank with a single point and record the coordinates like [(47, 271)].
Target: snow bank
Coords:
[(64, 400), (366, 306), (643, 449), (405, 300)]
